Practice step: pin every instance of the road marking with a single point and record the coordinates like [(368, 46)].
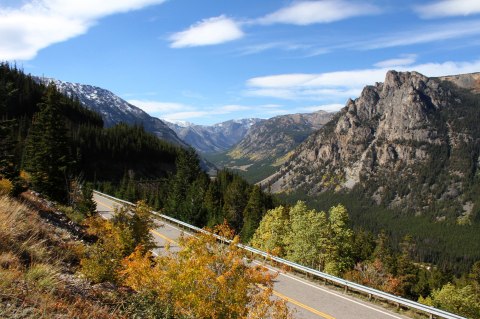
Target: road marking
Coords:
[(301, 305), (151, 230), (291, 300), (106, 206), (171, 241)]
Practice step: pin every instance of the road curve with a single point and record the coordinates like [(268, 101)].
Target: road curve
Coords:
[(309, 300)]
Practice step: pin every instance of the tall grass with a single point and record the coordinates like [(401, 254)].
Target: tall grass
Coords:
[(36, 265)]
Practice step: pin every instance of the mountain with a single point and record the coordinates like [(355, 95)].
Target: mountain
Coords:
[(215, 138), (411, 143), (269, 143), (114, 109)]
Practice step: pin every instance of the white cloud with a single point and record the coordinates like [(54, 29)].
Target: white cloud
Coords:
[(282, 80), (207, 32), (424, 35), (153, 107), (311, 12), (183, 116), (231, 108), (339, 85), (324, 107), (175, 112), (406, 59), (286, 94), (445, 8), (35, 25)]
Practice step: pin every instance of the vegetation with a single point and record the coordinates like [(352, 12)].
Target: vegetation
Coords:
[(36, 260), (462, 297), (451, 247), (326, 242), (206, 279), (308, 237)]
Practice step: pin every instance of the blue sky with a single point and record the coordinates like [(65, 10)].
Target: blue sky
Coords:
[(206, 61)]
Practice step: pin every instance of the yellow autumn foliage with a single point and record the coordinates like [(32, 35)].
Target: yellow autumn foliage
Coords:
[(206, 279)]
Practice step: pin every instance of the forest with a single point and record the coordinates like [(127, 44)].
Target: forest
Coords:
[(53, 145)]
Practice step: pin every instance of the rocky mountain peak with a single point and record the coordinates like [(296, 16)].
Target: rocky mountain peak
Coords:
[(388, 138)]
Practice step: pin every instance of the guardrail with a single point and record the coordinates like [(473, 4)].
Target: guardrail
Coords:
[(348, 285)]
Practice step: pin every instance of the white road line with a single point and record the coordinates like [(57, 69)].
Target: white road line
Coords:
[(326, 290)]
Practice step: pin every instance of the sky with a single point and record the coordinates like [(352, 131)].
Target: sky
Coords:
[(207, 61)]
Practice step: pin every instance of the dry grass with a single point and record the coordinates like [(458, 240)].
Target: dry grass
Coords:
[(37, 262)]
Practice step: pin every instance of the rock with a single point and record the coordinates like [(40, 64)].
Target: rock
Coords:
[(408, 130)]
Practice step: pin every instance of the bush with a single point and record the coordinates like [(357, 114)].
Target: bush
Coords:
[(6, 186)]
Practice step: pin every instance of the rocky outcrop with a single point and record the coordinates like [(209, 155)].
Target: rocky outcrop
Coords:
[(407, 143)]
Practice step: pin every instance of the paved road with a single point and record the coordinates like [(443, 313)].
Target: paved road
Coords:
[(310, 300)]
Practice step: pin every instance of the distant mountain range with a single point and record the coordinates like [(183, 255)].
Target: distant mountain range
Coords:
[(114, 109), (269, 143), (215, 138)]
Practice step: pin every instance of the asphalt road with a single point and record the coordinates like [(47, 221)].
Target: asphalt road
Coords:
[(309, 300)]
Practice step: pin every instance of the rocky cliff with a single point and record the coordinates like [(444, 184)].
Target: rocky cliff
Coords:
[(411, 142)]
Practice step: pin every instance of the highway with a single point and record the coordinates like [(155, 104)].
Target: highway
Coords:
[(309, 300)]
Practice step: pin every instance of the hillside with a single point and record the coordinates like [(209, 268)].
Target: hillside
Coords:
[(411, 142), (269, 143), (214, 138), (39, 254), (404, 158), (113, 109)]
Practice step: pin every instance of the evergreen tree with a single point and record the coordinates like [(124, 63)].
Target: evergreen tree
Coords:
[(47, 152), (253, 213), (8, 165), (87, 205), (212, 204), (193, 211), (188, 169), (234, 203)]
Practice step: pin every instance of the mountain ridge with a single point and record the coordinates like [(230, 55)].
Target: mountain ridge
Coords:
[(269, 143), (213, 138), (406, 143), (114, 109)]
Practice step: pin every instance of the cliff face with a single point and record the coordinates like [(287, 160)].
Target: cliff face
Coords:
[(410, 142)]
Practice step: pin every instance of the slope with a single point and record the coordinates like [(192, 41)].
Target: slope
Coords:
[(404, 157), (269, 143), (114, 109)]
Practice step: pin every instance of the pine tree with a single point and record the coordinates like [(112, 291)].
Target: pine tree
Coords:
[(212, 204), (252, 215), (47, 152), (8, 165), (234, 203)]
